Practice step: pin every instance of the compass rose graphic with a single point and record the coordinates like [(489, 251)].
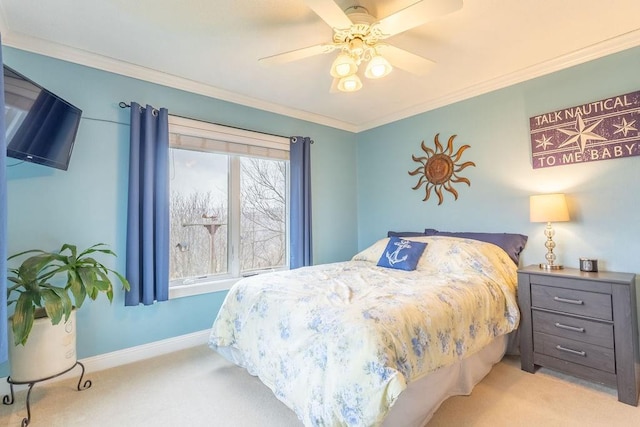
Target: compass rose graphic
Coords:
[(544, 142), (625, 127), (582, 134)]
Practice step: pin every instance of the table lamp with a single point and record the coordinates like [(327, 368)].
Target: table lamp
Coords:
[(548, 208)]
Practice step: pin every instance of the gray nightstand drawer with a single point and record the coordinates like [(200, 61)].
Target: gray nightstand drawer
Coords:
[(572, 301), (575, 351), (583, 324), (589, 331)]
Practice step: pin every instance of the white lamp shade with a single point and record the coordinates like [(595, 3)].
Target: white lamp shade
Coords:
[(377, 67), (350, 83), (548, 208), (343, 66)]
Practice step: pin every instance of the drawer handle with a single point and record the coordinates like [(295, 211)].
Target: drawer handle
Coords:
[(569, 301), (570, 328), (568, 350)]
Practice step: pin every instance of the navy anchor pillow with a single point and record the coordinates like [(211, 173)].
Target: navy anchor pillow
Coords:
[(402, 254)]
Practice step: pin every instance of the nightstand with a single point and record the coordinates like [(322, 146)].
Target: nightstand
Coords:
[(583, 324)]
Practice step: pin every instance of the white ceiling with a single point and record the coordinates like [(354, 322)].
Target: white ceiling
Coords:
[(212, 47)]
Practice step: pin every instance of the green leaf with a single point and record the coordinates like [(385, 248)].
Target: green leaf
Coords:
[(37, 267), (103, 285), (53, 305), (22, 320), (25, 252), (123, 280), (77, 289)]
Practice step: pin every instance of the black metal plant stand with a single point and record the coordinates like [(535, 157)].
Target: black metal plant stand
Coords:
[(8, 399)]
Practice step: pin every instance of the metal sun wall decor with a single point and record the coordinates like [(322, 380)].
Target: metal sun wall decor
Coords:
[(600, 130), (439, 168)]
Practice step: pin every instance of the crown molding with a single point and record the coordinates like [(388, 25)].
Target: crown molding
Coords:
[(105, 63), (590, 53), (66, 53)]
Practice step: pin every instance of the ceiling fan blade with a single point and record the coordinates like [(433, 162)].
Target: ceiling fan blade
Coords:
[(416, 15), (405, 60), (297, 54), (330, 13)]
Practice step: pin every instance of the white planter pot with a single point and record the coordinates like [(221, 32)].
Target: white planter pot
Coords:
[(49, 350)]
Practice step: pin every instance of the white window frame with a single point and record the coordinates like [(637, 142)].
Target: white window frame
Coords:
[(233, 142)]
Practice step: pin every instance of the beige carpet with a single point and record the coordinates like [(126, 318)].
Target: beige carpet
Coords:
[(196, 387)]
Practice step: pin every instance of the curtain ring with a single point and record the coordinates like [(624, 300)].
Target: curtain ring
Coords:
[(154, 111), (294, 139)]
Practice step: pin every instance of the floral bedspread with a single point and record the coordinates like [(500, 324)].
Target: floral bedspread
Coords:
[(338, 343)]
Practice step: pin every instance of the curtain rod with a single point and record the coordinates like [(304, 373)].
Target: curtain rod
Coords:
[(123, 104)]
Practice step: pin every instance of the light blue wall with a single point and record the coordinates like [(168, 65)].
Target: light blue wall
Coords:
[(87, 203), (603, 196), (350, 209)]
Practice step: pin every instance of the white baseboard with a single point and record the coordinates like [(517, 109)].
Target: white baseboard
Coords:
[(125, 356)]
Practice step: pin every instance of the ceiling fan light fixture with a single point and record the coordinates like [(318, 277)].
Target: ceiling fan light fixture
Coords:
[(343, 66), (378, 67), (357, 46), (350, 83)]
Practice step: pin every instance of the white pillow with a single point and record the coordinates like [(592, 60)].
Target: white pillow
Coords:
[(373, 252)]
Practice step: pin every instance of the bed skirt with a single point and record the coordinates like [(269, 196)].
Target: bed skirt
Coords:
[(420, 400)]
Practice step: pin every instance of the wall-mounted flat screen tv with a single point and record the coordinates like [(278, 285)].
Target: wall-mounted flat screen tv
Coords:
[(40, 126)]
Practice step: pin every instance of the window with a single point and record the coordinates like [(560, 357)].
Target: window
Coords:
[(228, 205)]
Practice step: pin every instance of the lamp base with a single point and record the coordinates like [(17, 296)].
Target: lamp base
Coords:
[(551, 266)]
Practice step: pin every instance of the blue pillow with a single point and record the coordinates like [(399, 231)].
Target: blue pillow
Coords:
[(404, 233), (512, 244), (401, 254)]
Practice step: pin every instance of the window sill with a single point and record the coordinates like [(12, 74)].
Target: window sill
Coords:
[(201, 288), (205, 287)]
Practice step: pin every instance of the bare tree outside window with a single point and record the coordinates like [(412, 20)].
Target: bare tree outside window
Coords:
[(198, 236), (199, 211), (263, 210), (198, 214)]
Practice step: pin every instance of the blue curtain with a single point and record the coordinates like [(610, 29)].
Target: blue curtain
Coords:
[(3, 226), (300, 200), (148, 211)]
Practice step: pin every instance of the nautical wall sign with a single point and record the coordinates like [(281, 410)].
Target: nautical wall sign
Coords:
[(600, 130)]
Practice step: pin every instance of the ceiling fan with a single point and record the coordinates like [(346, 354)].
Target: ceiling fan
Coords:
[(357, 36)]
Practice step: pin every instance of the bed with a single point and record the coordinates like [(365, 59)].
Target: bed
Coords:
[(358, 344)]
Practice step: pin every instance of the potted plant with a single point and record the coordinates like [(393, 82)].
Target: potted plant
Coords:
[(46, 288)]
